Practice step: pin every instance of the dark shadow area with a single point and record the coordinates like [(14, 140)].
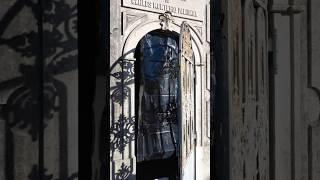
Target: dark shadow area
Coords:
[(94, 55), (219, 96), (158, 168), (88, 44)]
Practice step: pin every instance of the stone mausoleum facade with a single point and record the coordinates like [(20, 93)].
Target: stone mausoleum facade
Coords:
[(155, 91)]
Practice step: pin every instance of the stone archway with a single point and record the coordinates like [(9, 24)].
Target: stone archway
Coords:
[(137, 33)]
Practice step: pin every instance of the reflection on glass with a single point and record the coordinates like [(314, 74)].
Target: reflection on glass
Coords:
[(158, 123)]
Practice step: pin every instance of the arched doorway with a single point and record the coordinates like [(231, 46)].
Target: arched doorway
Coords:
[(157, 88), (123, 108), (165, 96)]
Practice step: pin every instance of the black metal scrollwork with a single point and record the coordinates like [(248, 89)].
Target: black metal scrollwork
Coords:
[(122, 133), (124, 172), (124, 78), (170, 116), (122, 130)]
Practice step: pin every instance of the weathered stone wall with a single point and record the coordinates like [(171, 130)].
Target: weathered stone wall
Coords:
[(271, 66), (38, 89), (245, 29), (296, 120), (308, 130)]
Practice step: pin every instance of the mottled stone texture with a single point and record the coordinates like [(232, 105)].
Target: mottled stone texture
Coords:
[(38, 89), (309, 117), (296, 91), (269, 58), (246, 52)]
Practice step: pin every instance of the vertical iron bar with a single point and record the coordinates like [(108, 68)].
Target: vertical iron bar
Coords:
[(39, 93)]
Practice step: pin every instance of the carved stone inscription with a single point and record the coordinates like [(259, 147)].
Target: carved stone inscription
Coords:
[(186, 9)]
